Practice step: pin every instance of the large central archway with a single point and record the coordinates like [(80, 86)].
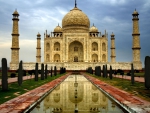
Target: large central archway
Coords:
[(75, 53)]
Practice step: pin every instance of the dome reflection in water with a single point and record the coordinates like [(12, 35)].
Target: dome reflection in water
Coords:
[(76, 94)]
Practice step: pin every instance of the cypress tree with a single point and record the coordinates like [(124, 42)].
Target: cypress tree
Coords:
[(20, 73), (110, 72), (51, 71), (60, 72), (147, 72), (103, 70), (64, 70), (100, 70), (55, 71), (36, 72), (42, 71), (46, 71), (4, 75), (106, 75), (132, 74), (96, 70)]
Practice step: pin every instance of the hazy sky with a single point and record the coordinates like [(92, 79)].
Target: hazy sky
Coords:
[(39, 15)]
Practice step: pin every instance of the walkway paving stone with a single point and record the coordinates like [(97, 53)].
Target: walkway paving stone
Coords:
[(137, 79), (11, 80), (130, 101), (22, 102)]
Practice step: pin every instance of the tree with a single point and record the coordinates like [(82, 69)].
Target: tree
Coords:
[(55, 71), (20, 73), (51, 71), (4, 75), (110, 73), (132, 74), (36, 72), (103, 70), (147, 72), (42, 71), (106, 75), (46, 71)]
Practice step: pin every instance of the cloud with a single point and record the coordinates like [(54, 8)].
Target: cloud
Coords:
[(146, 6), (113, 2), (108, 19)]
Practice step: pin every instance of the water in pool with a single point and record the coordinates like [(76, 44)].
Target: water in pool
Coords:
[(76, 94)]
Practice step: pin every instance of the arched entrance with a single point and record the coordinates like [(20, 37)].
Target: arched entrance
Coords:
[(75, 59), (75, 53)]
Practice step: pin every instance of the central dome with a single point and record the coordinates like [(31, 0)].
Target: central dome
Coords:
[(75, 18)]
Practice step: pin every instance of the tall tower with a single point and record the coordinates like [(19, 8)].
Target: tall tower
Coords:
[(15, 39), (38, 53), (136, 40), (113, 53)]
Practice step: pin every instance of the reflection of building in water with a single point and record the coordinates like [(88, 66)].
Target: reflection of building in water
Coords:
[(89, 98)]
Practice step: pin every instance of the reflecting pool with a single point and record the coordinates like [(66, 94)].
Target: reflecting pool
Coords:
[(76, 94)]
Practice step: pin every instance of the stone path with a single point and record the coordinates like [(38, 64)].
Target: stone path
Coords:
[(138, 79), (11, 80), (22, 102), (129, 101)]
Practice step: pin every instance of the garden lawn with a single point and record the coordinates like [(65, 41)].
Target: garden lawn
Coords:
[(138, 89), (27, 85)]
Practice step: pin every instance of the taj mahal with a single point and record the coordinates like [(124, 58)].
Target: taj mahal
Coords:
[(76, 45)]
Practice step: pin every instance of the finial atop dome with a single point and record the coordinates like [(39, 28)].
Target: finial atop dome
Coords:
[(75, 3)]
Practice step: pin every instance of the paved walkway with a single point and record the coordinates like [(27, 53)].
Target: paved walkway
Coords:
[(137, 79), (11, 80), (129, 101), (25, 101)]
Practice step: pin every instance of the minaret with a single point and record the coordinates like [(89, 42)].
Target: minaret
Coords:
[(15, 39), (136, 40), (38, 53), (113, 53)]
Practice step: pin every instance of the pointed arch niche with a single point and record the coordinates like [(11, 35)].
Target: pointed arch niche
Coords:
[(75, 53), (94, 58), (56, 46), (103, 46), (94, 46), (47, 47), (47, 58), (56, 58), (104, 58)]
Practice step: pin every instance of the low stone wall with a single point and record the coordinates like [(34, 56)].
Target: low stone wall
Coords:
[(79, 65)]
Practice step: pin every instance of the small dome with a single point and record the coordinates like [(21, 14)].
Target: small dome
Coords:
[(93, 29), (15, 13), (75, 18), (135, 12), (58, 29), (38, 34), (112, 34)]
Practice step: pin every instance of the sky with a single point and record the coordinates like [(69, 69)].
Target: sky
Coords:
[(40, 15)]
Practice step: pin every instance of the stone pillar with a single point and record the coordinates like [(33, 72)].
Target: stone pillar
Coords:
[(136, 40), (113, 53), (15, 39), (38, 53)]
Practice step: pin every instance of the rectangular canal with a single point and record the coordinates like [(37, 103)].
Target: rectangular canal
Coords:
[(77, 95)]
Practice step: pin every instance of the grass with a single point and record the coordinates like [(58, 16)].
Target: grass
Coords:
[(135, 74), (138, 89), (27, 85)]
